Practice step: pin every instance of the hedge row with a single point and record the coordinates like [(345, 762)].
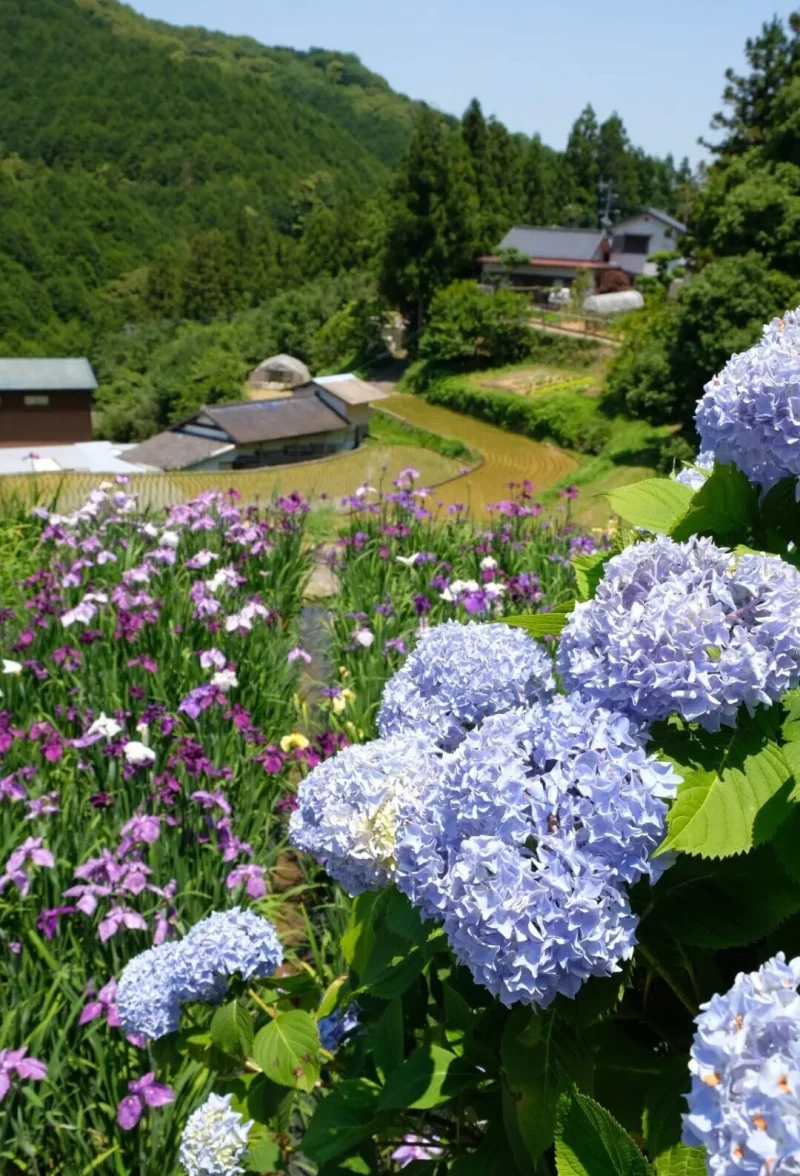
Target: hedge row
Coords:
[(569, 418)]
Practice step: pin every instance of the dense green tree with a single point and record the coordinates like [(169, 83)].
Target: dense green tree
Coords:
[(773, 58), (617, 163), (466, 323), (675, 349), (540, 184), (164, 287), (579, 171), (210, 281), (433, 219)]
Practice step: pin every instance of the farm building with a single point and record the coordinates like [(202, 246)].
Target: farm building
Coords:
[(557, 256), (291, 422), (45, 401)]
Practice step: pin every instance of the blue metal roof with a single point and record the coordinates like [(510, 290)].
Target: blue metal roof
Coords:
[(46, 375), (559, 244)]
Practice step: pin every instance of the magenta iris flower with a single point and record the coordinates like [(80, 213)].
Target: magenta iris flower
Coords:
[(14, 1062), (144, 1092)]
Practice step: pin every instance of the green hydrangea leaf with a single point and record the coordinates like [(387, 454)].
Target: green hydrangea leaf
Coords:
[(590, 1142), (655, 504), (729, 777), (287, 1050)]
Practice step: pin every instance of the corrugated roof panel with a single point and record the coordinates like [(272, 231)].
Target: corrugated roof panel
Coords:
[(46, 375), (350, 389)]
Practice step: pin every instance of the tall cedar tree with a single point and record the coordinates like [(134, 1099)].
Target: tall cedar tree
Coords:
[(580, 172), (432, 232)]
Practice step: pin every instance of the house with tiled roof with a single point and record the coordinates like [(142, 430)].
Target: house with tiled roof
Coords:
[(289, 418), (557, 256)]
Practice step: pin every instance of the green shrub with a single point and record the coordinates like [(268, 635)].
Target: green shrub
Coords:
[(568, 418), (466, 322)]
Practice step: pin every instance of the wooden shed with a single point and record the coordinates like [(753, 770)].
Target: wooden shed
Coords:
[(45, 401)]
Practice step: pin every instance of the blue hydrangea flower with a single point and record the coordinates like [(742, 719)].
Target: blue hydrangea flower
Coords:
[(744, 1105), (336, 1026), (686, 628), (750, 412), (524, 847), (458, 674), (351, 808), (147, 1000), (695, 475), (214, 1140), (197, 968), (222, 945)]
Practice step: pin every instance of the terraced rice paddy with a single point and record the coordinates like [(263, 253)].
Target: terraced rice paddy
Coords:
[(333, 476), (506, 457)]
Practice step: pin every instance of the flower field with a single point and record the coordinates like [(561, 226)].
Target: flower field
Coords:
[(499, 874), (158, 712)]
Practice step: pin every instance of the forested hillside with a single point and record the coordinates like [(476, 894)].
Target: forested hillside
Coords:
[(120, 136), (175, 202)]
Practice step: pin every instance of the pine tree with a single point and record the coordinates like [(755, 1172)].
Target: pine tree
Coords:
[(773, 57), (432, 233)]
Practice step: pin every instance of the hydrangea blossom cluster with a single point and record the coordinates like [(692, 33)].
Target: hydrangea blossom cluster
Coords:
[(214, 1140), (524, 847), (695, 475), (197, 968), (686, 628), (749, 412), (745, 1064), (351, 809), (458, 674), (336, 1026)]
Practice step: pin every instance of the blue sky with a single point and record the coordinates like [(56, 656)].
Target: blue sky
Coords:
[(532, 63)]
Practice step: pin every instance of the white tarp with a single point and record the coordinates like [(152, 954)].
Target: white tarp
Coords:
[(613, 303)]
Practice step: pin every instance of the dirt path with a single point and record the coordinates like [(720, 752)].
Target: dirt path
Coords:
[(605, 340), (507, 457)]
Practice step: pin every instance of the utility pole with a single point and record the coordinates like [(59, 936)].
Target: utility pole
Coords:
[(607, 207)]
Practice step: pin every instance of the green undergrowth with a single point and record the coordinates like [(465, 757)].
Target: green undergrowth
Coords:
[(386, 429)]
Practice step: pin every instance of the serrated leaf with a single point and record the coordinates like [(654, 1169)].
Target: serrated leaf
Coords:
[(263, 1155), (232, 1028), (682, 1161), (668, 958), (330, 997), (724, 904), (359, 938), (728, 778), (654, 504), (664, 1103), (429, 1077), (287, 1050), (589, 1142), (539, 1053), (386, 1039), (544, 624), (393, 966), (342, 1120), (589, 571), (725, 506), (780, 518)]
